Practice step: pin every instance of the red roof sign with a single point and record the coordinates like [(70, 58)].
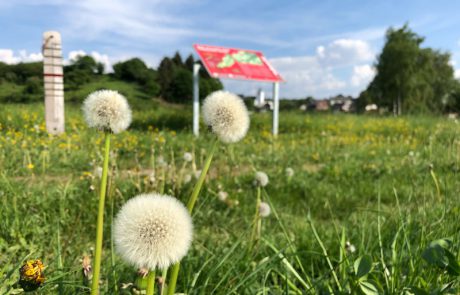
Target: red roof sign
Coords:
[(222, 62)]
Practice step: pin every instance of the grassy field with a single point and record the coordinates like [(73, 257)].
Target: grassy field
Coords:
[(368, 197)]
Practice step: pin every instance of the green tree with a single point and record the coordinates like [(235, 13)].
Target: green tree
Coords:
[(177, 59), (189, 62), (409, 77), (181, 87), (165, 71), (135, 70)]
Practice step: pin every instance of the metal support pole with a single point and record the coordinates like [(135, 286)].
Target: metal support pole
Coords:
[(196, 100), (276, 105)]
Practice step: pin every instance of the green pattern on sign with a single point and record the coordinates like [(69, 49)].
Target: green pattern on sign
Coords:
[(241, 56)]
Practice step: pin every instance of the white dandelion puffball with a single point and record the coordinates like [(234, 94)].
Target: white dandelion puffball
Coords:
[(227, 116), (261, 178), (289, 172), (222, 196), (188, 157), (152, 231), (264, 209), (107, 110)]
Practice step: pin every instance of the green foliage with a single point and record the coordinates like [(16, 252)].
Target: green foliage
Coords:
[(410, 78), (361, 179), (135, 70), (176, 79)]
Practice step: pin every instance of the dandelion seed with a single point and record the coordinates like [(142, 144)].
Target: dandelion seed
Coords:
[(188, 157), (197, 174), (226, 114), (152, 231), (222, 196), (289, 172), (107, 110), (264, 209), (261, 179), (31, 275)]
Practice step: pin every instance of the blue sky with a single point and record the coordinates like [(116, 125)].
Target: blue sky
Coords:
[(321, 48)]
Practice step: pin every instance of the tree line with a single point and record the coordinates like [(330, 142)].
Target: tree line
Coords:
[(172, 80), (411, 78)]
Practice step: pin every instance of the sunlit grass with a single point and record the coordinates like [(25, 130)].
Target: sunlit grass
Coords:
[(365, 180)]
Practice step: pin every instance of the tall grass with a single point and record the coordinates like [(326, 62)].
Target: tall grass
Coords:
[(387, 186)]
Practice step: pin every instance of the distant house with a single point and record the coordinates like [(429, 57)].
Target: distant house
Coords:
[(260, 103), (341, 103), (322, 105)]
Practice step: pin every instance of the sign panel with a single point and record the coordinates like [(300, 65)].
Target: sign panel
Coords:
[(53, 77), (233, 63)]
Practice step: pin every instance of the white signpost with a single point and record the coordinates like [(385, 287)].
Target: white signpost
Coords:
[(53, 77), (196, 99)]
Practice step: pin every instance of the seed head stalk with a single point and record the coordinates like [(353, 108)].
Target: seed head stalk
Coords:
[(151, 282), (100, 218), (190, 205), (255, 227)]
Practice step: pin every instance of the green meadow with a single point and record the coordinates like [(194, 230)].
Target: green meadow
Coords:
[(372, 206)]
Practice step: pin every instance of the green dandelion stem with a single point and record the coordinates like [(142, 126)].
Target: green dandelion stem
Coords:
[(190, 205), (199, 184), (163, 280), (151, 282), (254, 234), (100, 219)]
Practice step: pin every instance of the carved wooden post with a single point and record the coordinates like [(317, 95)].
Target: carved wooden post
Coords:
[(53, 77)]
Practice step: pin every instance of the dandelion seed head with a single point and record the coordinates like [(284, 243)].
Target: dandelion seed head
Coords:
[(188, 157), (261, 178), (227, 116), (289, 172), (107, 110), (264, 209), (222, 196), (152, 231)]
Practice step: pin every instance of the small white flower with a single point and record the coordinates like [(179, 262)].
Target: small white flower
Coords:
[(197, 174), (227, 116), (349, 247), (188, 157), (152, 231), (289, 172), (107, 110), (222, 196), (264, 209), (261, 178)]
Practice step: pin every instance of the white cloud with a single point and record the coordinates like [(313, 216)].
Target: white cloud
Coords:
[(457, 74), (362, 75), (8, 56), (319, 75), (345, 52)]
